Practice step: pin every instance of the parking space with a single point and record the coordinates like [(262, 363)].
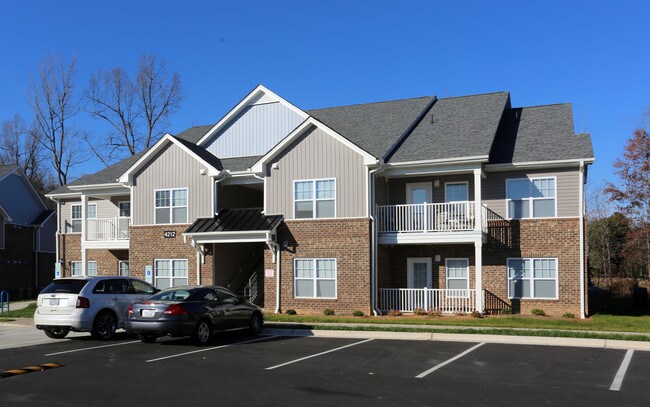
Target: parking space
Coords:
[(240, 369)]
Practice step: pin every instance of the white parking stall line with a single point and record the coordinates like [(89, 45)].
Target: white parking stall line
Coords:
[(91, 348), (209, 349), (318, 354), (620, 375), (445, 363)]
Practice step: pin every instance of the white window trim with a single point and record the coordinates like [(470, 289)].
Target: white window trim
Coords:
[(532, 278), (456, 278), (155, 277), (415, 185), (81, 268), (457, 183), (80, 219), (129, 202), (171, 201), (313, 199), (531, 199), (119, 268), (315, 279)]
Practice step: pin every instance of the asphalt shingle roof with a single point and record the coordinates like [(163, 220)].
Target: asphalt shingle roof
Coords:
[(194, 134), (455, 127), (539, 133), (374, 127)]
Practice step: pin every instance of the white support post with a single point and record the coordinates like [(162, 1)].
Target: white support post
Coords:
[(478, 265), (478, 213), (84, 258)]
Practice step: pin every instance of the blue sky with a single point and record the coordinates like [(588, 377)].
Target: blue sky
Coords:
[(321, 54)]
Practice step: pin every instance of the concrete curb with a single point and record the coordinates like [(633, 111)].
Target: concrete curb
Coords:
[(435, 336)]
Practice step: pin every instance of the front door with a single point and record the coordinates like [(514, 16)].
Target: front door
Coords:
[(419, 272), (417, 193)]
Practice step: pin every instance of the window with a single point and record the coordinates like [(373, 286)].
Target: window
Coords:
[(75, 216), (124, 209), (91, 268), (314, 198), (170, 273), (532, 278), (314, 278), (530, 198), (456, 192), (457, 273), (123, 267), (140, 287), (171, 206)]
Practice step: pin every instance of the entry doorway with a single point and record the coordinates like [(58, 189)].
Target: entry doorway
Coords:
[(418, 272)]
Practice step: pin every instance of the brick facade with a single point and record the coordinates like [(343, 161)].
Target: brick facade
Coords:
[(346, 240)]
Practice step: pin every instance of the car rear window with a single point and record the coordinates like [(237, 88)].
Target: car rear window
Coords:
[(175, 294), (65, 286)]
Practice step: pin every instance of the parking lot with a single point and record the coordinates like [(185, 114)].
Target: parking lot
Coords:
[(239, 369)]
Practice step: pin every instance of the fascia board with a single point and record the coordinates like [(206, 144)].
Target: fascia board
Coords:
[(537, 164), (5, 215), (259, 89)]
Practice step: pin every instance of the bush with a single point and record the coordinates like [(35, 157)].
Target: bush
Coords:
[(291, 312), (538, 312), (506, 311), (476, 314), (357, 313), (328, 311), (419, 311), (395, 313), (434, 313), (568, 315)]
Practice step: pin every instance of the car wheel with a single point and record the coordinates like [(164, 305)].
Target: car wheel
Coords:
[(56, 333), (147, 338), (104, 326), (256, 323), (202, 333)]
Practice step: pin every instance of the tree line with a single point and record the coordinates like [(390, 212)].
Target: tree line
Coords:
[(49, 144)]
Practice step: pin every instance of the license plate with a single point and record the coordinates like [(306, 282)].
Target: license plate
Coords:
[(54, 301), (148, 313)]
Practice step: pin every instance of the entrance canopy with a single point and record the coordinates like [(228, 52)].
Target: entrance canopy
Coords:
[(234, 226)]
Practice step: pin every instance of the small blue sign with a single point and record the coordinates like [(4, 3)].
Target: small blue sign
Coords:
[(148, 275), (57, 270)]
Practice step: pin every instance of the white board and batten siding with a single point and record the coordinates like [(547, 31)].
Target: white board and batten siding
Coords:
[(171, 168), (316, 155), (254, 131), (567, 188)]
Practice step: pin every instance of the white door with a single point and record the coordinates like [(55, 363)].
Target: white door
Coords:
[(418, 193), (418, 272)]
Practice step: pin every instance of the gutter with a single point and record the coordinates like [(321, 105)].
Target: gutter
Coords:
[(373, 237)]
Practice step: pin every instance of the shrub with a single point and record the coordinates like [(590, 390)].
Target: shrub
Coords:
[(434, 313), (328, 311), (291, 312), (419, 311), (357, 313), (568, 315), (506, 311), (476, 314), (538, 312), (395, 313)]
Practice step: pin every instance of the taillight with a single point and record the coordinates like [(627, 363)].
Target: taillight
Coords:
[(130, 309), (83, 302), (175, 309)]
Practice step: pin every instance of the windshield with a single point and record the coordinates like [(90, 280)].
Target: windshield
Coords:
[(65, 286)]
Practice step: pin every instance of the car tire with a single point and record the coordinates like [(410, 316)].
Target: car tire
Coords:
[(56, 333), (147, 338), (257, 321), (104, 325), (202, 333)]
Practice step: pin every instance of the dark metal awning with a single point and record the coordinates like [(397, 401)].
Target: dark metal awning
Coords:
[(234, 225)]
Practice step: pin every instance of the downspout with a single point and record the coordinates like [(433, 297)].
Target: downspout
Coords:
[(58, 235), (277, 258), (582, 240), (373, 237)]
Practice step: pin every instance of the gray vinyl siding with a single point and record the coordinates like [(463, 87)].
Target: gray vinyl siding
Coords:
[(397, 187), (105, 209), (18, 201), (567, 187), (381, 191), (318, 155), (171, 168), (254, 131)]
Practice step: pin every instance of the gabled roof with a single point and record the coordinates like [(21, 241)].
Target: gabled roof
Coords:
[(42, 217), (539, 133), (5, 215), (235, 220), (6, 170), (194, 134), (374, 127), (455, 127)]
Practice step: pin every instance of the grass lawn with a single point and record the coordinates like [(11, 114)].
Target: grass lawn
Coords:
[(27, 312), (610, 323)]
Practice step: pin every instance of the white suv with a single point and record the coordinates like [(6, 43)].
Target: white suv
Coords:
[(88, 304)]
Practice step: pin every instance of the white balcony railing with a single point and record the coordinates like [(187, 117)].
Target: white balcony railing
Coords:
[(427, 299), (101, 229)]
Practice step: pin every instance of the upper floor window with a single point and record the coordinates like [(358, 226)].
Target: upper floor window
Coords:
[(75, 216), (171, 206), (456, 192), (314, 198), (531, 198), (124, 209)]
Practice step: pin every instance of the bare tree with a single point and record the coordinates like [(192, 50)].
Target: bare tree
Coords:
[(134, 111), (51, 98)]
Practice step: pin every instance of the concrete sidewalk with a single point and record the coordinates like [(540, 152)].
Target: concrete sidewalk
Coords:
[(16, 305)]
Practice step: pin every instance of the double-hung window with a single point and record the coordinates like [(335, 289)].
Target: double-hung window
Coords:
[(314, 278), (170, 273), (531, 198), (314, 198), (124, 208), (75, 216), (75, 268), (457, 273), (532, 278), (171, 206)]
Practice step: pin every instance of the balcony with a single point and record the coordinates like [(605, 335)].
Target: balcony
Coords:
[(432, 222), (108, 232)]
